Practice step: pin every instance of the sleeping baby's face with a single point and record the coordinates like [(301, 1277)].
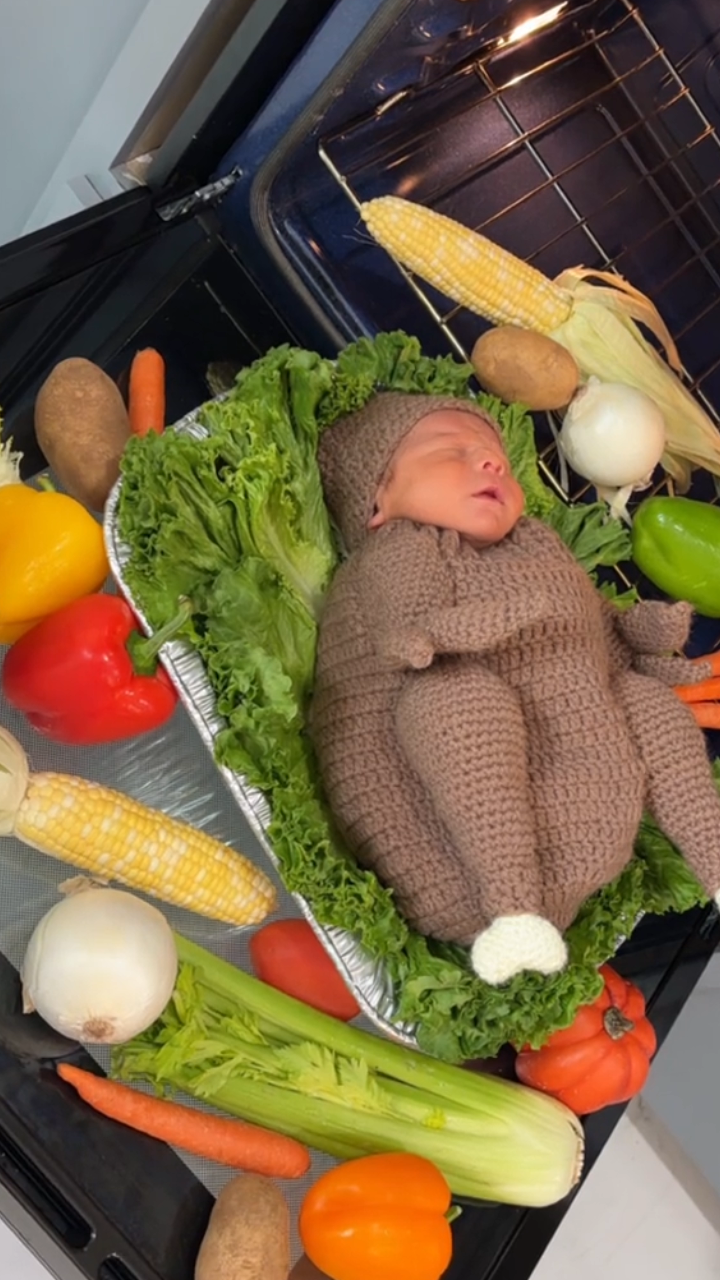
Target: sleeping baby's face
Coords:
[(451, 471)]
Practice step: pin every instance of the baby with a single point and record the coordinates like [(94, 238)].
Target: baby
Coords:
[(489, 728)]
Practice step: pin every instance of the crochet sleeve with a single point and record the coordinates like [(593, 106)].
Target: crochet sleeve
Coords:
[(477, 626), (646, 639), (657, 628), (402, 577), (408, 588), (507, 597)]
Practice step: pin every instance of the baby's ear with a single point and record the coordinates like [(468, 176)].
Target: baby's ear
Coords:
[(377, 518)]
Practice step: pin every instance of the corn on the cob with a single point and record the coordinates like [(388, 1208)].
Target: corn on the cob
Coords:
[(596, 324), (116, 838), (466, 266)]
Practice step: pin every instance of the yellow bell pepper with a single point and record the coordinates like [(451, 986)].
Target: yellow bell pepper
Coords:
[(51, 552)]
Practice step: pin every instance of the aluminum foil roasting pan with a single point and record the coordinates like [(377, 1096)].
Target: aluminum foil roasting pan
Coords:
[(367, 978)]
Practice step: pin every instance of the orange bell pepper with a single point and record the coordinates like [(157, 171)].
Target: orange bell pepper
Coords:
[(51, 552), (381, 1216)]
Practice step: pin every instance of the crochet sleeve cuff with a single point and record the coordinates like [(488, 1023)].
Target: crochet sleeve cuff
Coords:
[(654, 627)]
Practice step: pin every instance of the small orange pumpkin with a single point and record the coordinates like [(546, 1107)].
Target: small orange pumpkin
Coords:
[(602, 1059)]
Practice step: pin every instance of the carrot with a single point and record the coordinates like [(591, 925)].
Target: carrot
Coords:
[(711, 660), (146, 395), (230, 1142), (703, 691), (707, 714)]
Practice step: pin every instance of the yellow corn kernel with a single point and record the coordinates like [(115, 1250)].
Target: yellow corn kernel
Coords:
[(116, 838), (466, 266)]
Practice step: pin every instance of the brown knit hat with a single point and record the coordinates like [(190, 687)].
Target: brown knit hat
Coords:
[(355, 453)]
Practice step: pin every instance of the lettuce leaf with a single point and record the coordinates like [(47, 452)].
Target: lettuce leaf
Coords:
[(237, 522), (267, 431), (594, 538)]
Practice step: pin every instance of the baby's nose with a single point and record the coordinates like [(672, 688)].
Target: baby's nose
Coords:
[(494, 464)]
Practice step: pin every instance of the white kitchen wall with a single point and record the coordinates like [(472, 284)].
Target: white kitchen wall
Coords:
[(634, 1219), (54, 58), (74, 77), (683, 1086), (16, 1260)]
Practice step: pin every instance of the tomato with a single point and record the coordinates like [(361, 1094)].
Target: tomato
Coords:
[(290, 957)]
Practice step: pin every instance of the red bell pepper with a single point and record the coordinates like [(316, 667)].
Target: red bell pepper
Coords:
[(86, 675)]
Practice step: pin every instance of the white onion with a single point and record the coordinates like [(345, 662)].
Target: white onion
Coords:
[(100, 966), (613, 435)]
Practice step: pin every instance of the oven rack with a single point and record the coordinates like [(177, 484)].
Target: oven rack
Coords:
[(667, 141)]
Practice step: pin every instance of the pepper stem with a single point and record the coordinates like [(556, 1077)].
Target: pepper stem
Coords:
[(453, 1212), (144, 650), (45, 484), (616, 1024)]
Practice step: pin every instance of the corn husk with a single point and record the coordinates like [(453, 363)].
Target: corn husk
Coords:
[(602, 334), (621, 296)]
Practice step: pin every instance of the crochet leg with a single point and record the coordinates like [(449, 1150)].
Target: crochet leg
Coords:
[(681, 792), (463, 733), (588, 787), (407, 847), (388, 823)]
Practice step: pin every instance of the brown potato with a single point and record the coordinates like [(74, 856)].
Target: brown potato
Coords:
[(516, 364), (82, 427), (248, 1235)]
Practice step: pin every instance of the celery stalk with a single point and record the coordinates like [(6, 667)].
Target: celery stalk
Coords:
[(249, 1050), (475, 1167), (217, 977)]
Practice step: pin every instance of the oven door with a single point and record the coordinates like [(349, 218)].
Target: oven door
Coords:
[(88, 285)]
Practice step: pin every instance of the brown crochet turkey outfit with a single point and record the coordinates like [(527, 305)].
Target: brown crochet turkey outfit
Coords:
[(488, 727)]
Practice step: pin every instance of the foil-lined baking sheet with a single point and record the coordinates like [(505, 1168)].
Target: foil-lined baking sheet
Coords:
[(168, 770)]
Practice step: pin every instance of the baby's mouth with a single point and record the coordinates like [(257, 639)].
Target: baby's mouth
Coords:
[(491, 494)]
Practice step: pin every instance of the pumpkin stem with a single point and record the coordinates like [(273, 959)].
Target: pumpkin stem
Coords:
[(616, 1024)]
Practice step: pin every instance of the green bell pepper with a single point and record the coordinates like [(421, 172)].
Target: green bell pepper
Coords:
[(676, 544)]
